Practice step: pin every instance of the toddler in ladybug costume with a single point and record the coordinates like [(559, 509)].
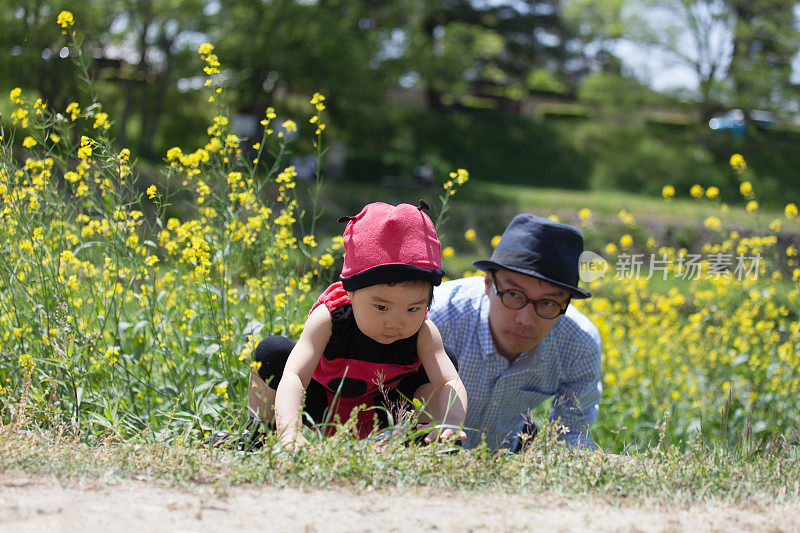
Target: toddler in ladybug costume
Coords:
[(367, 338)]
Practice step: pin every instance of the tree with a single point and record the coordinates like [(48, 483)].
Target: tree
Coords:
[(765, 40), (598, 24), (461, 42), (695, 33), (33, 52), (136, 47), (155, 33), (285, 46), (739, 50)]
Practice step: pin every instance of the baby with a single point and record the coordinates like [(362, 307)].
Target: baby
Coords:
[(367, 340)]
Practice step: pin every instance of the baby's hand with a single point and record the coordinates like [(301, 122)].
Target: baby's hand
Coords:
[(443, 431)]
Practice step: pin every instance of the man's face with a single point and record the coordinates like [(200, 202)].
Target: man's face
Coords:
[(518, 330)]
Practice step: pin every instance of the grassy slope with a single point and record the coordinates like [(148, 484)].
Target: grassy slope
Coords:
[(699, 474), (504, 198)]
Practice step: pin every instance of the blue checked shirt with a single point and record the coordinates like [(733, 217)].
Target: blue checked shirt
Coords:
[(565, 366)]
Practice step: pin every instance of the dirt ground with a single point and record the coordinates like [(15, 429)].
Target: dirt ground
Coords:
[(42, 504)]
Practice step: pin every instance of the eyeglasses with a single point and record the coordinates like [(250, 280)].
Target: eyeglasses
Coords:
[(513, 299)]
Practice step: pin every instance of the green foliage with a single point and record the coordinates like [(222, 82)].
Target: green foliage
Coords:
[(544, 80), (611, 93), (114, 323), (494, 147), (460, 47), (765, 40)]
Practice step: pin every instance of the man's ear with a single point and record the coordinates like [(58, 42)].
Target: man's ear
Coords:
[(487, 279)]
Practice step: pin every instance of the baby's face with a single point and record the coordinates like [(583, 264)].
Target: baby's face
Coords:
[(389, 313)]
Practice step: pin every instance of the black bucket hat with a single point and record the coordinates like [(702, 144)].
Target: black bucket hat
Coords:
[(542, 248)]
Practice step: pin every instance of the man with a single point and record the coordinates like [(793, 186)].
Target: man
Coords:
[(518, 341)]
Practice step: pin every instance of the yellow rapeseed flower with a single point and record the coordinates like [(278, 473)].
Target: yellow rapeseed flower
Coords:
[(448, 251), (470, 235), (611, 248), (15, 94), (29, 142), (101, 121), (290, 126), (205, 49), (737, 162), (752, 206), (713, 223), (152, 191), (585, 214), (791, 210), (626, 218), (712, 192), (65, 19), (495, 241), (460, 175), (73, 110), (20, 115), (696, 191), (317, 100), (746, 189), (625, 242), (174, 153)]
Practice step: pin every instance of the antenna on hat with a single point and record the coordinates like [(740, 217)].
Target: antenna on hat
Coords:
[(346, 219), (423, 205)]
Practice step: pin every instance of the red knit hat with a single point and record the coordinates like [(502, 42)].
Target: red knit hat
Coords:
[(387, 243)]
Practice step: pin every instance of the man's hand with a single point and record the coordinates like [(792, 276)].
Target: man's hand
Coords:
[(442, 431)]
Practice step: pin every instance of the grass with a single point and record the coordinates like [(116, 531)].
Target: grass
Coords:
[(700, 473), (505, 198)]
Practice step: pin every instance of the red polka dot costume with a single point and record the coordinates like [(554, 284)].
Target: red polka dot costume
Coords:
[(354, 368), (383, 243)]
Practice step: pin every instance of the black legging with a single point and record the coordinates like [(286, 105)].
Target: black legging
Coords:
[(272, 353)]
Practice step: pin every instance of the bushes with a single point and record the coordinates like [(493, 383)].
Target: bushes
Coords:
[(619, 148), (117, 323)]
